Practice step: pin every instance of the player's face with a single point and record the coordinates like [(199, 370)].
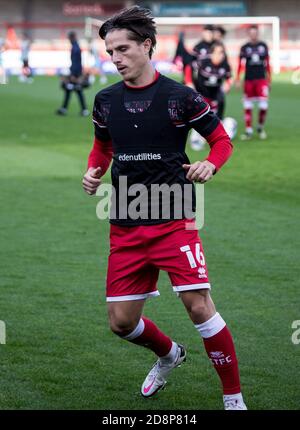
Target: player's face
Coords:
[(129, 56), (207, 35), (218, 55), (253, 34)]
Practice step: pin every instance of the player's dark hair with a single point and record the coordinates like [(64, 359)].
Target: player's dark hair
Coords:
[(137, 20), (208, 27), (253, 26), (72, 35), (221, 30)]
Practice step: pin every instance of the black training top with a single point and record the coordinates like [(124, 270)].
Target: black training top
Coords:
[(211, 77), (202, 49), (148, 127), (256, 55)]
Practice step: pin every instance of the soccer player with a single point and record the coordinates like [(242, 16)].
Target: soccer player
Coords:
[(213, 79), (74, 81), (200, 52), (214, 72), (143, 122), (182, 56), (219, 34), (255, 55)]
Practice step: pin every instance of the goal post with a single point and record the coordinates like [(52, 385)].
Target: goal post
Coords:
[(88, 28), (181, 22)]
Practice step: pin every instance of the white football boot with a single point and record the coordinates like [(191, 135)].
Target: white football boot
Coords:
[(248, 134), (234, 402), (156, 378), (261, 133)]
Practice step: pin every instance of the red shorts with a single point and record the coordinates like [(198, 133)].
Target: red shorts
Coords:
[(137, 254), (257, 89)]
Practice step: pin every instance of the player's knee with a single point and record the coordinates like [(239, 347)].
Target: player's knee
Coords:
[(263, 104), (199, 310), (202, 307), (121, 325), (121, 328), (248, 104)]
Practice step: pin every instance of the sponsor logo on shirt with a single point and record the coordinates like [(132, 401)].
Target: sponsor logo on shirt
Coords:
[(144, 156)]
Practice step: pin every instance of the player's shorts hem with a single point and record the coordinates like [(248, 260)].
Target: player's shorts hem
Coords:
[(180, 288), (132, 297), (255, 99)]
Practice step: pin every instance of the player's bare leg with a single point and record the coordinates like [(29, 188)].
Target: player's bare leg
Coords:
[(126, 321), (248, 109), (218, 344), (263, 109), (124, 316)]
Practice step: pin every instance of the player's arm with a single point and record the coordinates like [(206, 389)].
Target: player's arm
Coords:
[(209, 126), (101, 154), (227, 85), (188, 76), (228, 79), (240, 67), (268, 70), (98, 162), (220, 151)]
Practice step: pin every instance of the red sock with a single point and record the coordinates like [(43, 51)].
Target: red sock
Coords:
[(147, 334), (248, 117), (262, 116), (220, 349)]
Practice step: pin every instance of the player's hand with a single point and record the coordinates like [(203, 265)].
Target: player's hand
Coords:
[(200, 171), (91, 180), (237, 84)]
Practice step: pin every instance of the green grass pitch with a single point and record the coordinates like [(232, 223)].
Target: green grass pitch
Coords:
[(60, 353)]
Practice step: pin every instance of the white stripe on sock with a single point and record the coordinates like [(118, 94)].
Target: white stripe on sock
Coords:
[(212, 326), (136, 332)]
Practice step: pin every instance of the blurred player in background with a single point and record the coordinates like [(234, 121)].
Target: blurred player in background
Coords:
[(255, 56), (213, 79), (182, 57), (76, 81), (26, 75), (2, 69), (219, 34), (143, 123), (200, 52), (202, 48), (214, 72)]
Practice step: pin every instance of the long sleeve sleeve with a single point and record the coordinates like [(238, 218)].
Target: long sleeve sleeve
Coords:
[(220, 146), (100, 155)]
